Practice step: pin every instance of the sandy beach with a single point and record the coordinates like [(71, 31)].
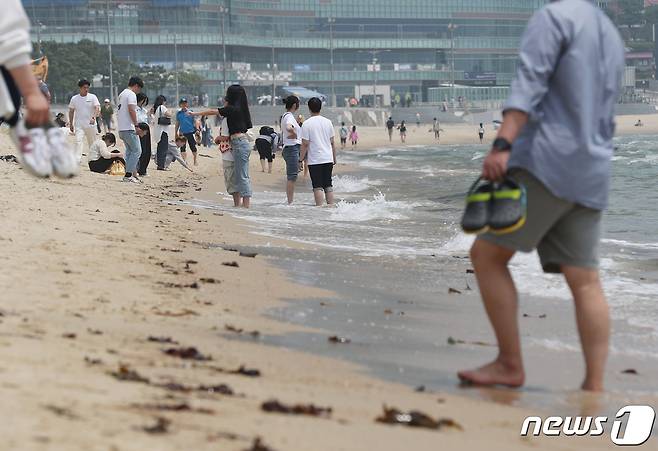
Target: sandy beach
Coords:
[(108, 285)]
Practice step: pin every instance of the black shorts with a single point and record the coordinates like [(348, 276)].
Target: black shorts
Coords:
[(321, 176), (191, 141), (264, 150), (103, 165), (343, 140)]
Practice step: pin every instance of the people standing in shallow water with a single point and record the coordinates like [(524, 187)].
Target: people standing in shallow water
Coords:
[(291, 137), (318, 145), (344, 133), (238, 118)]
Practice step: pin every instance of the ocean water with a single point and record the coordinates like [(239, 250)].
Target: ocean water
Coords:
[(393, 244)]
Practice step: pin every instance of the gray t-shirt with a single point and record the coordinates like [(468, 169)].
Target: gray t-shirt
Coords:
[(568, 81)]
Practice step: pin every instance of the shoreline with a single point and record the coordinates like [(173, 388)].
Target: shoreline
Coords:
[(120, 263)]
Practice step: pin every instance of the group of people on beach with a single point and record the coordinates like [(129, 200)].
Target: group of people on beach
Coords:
[(307, 144), (566, 175)]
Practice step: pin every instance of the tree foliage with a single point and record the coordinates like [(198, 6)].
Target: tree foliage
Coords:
[(68, 63)]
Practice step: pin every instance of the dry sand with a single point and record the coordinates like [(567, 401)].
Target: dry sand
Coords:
[(93, 267)]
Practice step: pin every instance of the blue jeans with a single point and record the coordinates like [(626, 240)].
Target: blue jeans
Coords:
[(241, 152), (133, 149)]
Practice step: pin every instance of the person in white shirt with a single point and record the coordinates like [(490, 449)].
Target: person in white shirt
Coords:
[(318, 145), (100, 156), (84, 108), (162, 117), (292, 140), (126, 121), (144, 132)]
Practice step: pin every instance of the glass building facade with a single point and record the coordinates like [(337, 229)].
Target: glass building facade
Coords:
[(404, 46)]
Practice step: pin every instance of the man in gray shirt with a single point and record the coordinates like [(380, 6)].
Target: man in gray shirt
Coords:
[(556, 139)]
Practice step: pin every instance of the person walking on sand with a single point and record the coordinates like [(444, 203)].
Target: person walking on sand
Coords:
[(481, 132), (318, 144), (390, 125), (417, 120), (403, 132), (106, 115), (291, 136), (83, 110), (354, 137), (238, 119), (127, 121), (570, 73), (344, 133)]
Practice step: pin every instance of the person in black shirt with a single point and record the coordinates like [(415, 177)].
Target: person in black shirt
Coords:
[(389, 126), (238, 118)]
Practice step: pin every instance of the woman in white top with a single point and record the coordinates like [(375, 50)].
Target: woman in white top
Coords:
[(100, 157), (162, 129), (145, 135)]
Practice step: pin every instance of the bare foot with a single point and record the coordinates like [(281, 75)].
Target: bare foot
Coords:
[(494, 373)]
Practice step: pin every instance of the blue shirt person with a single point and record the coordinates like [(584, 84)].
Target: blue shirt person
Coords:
[(559, 122), (185, 122), (569, 48)]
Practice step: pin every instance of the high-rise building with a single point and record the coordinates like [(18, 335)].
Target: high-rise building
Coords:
[(340, 48)]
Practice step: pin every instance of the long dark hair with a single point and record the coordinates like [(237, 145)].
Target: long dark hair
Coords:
[(236, 96), (291, 102), (159, 101), (141, 97)]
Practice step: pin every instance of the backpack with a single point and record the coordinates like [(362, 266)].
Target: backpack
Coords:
[(266, 131)]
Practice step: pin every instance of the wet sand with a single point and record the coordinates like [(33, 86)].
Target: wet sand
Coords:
[(94, 267)]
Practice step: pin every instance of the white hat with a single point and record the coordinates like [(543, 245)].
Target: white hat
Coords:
[(107, 101)]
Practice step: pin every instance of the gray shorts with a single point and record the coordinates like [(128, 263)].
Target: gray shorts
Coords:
[(563, 233)]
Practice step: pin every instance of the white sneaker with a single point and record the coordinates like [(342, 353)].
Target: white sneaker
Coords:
[(131, 180), (65, 163), (33, 151)]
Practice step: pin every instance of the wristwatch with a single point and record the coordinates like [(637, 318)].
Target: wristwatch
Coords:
[(501, 145)]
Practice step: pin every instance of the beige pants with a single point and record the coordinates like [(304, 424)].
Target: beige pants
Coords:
[(83, 134)]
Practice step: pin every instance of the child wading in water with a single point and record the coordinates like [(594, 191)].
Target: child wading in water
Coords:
[(344, 132), (354, 136)]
